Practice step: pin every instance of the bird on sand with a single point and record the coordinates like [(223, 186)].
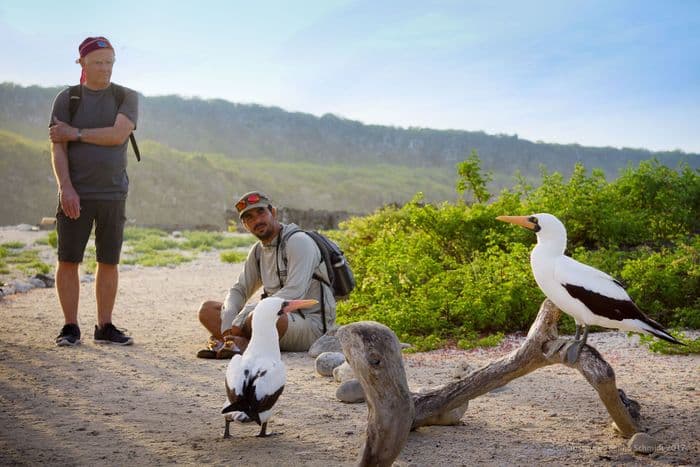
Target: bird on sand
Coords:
[(255, 379), (588, 295)]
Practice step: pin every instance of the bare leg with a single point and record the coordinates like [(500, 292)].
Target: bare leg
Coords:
[(106, 282), (68, 289), (210, 317)]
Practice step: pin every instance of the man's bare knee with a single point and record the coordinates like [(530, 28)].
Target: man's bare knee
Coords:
[(208, 310)]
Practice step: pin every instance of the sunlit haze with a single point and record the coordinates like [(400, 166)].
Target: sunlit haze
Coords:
[(598, 73)]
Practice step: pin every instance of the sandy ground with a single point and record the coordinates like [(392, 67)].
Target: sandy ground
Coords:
[(154, 403)]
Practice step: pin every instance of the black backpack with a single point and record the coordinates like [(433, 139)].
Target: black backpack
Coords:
[(76, 93), (341, 279)]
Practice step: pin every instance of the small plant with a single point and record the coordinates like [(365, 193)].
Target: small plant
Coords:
[(89, 260), (233, 256), (661, 346), (25, 261), (207, 241), (473, 341), (51, 239), (158, 258), (12, 245)]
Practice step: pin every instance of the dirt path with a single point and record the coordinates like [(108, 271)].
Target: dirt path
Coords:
[(154, 403)]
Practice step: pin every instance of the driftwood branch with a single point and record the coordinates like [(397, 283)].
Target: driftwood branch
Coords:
[(373, 352)]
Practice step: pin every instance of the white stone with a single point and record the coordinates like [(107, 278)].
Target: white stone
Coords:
[(343, 373), (350, 391), (328, 361)]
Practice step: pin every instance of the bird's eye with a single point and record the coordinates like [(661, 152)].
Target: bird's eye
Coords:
[(532, 219), (284, 305)]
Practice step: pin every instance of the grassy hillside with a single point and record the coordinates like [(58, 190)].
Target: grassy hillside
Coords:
[(174, 188), (248, 131)]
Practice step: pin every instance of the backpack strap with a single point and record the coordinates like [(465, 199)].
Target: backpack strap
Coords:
[(119, 93), (283, 245), (76, 93)]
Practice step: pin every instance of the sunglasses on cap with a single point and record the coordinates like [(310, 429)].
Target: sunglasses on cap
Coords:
[(248, 200)]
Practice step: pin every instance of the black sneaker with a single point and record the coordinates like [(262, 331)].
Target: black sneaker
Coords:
[(108, 334), (70, 335)]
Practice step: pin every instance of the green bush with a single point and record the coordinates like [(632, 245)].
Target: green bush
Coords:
[(206, 241), (158, 258), (438, 274), (233, 256), (666, 283)]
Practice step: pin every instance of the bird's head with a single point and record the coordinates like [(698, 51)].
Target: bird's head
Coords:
[(546, 226), (272, 307)]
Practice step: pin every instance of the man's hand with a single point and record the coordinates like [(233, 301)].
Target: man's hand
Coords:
[(70, 202), (61, 132)]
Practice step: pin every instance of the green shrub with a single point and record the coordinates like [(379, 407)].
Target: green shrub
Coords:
[(233, 256), (666, 284), (158, 258), (446, 273), (472, 341), (661, 346), (134, 234), (12, 245), (206, 241), (51, 239)]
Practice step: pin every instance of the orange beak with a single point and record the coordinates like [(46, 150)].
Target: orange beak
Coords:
[(293, 305), (522, 221)]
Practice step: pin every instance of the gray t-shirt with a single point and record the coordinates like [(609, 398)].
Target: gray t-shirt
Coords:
[(97, 172), (303, 260)]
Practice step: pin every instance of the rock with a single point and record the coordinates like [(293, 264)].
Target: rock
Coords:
[(87, 278), (327, 361), (343, 373), (47, 223), (26, 228), (326, 343), (642, 443), (461, 370), (449, 418), (21, 286), (47, 279), (350, 391), (37, 283), (176, 234)]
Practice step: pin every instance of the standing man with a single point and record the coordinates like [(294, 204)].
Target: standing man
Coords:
[(89, 161), (286, 263)]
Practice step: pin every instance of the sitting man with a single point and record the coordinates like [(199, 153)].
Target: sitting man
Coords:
[(288, 264)]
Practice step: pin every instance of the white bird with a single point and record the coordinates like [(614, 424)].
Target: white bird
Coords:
[(588, 295), (255, 380)]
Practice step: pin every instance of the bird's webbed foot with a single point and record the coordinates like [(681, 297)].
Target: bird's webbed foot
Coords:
[(574, 350)]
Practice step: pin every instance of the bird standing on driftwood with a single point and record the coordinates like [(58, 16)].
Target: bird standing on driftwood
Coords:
[(255, 380), (588, 295)]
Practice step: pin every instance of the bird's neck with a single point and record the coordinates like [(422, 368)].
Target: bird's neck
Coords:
[(265, 340), (550, 247)]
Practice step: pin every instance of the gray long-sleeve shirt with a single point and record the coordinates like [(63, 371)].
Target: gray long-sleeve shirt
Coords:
[(303, 260)]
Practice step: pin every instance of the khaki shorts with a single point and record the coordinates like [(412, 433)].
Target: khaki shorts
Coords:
[(301, 331)]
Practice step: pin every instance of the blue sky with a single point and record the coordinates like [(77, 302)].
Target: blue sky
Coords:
[(598, 73)]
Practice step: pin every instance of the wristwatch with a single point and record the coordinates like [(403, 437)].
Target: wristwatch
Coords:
[(79, 135)]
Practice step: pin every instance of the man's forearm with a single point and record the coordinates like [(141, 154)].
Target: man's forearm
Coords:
[(109, 136), (59, 160)]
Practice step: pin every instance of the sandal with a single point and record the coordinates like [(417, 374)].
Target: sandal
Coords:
[(213, 346), (228, 350)]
